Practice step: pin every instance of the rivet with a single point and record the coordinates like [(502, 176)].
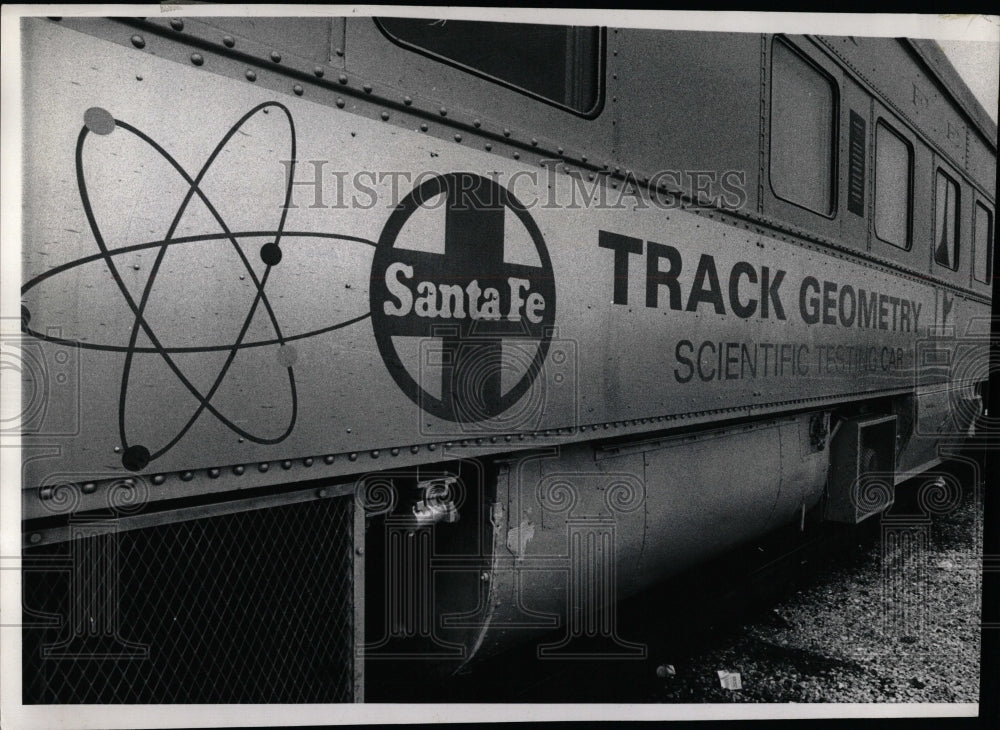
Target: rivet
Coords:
[(263, 467), (318, 71), (237, 470), (385, 116), (507, 437), (375, 453), (117, 449), (559, 150), (138, 41), (340, 103), (251, 75), (493, 439), (339, 51), (286, 464), (367, 88), (423, 127), (138, 77), (394, 451), (414, 449), (328, 459), (359, 550), (186, 476), (228, 41), (517, 156), (275, 56), (407, 100), (431, 447), (158, 479), (297, 89), (506, 133), (321, 493), (214, 473), (45, 493), (35, 538), (177, 24), (476, 123), (458, 138), (90, 487), (353, 456), (534, 142), (443, 112), (308, 461), (488, 146), (342, 78)]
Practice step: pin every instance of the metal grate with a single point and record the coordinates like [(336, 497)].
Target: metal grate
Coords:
[(252, 607)]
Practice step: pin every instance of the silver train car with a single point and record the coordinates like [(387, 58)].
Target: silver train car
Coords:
[(348, 342)]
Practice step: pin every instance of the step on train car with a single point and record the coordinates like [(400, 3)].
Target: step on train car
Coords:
[(369, 342)]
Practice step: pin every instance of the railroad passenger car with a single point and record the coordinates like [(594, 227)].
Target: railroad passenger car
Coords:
[(348, 343)]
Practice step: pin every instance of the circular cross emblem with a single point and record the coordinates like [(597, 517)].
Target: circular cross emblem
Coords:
[(472, 313)]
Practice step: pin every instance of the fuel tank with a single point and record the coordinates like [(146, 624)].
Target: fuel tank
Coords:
[(549, 540)]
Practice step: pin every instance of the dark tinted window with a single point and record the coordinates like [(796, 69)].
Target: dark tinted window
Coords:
[(983, 254), (803, 123), (946, 221), (893, 168), (558, 63)]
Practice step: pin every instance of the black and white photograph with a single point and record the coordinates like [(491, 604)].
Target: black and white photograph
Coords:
[(438, 364)]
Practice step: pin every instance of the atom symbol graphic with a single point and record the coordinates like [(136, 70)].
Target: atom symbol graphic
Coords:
[(136, 456)]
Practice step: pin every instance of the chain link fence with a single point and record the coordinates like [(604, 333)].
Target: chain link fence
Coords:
[(251, 607)]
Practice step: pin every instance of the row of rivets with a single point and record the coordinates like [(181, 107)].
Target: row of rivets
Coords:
[(197, 59), (251, 75)]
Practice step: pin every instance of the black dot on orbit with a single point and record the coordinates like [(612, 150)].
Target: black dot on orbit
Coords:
[(135, 458), (98, 120), (270, 254)]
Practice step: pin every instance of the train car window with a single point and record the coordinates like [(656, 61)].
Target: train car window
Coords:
[(803, 131), (946, 221), (893, 185), (555, 63), (982, 261)]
